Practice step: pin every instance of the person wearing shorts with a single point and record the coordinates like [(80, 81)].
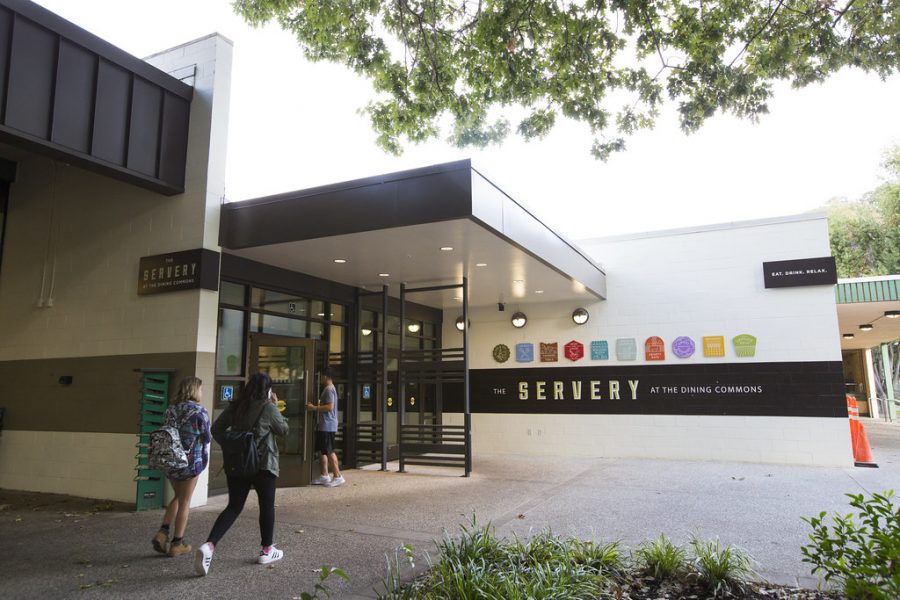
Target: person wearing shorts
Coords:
[(326, 428)]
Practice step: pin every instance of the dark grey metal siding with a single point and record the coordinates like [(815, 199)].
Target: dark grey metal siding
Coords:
[(70, 95)]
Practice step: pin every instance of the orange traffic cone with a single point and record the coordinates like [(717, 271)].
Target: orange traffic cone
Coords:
[(862, 452)]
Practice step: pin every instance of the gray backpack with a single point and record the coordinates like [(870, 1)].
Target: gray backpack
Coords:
[(166, 452)]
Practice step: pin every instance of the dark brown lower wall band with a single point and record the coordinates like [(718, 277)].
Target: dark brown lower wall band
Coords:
[(102, 397)]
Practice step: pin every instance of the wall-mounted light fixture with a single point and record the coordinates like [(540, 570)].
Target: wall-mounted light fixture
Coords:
[(848, 336), (518, 320), (414, 327), (866, 327), (366, 331), (580, 316), (461, 323), (892, 314)]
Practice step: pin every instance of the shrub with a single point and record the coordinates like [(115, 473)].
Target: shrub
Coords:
[(661, 559), (720, 570), (864, 558)]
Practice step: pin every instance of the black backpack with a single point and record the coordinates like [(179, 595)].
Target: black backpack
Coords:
[(240, 453)]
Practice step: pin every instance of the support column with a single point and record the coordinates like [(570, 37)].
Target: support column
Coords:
[(401, 390), (467, 413), (889, 382), (384, 377)]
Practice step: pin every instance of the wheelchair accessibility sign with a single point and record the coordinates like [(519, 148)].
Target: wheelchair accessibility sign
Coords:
[(227, 393)]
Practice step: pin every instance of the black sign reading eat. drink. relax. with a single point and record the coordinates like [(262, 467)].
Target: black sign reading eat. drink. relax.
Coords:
[(187, 270), (800, 272)]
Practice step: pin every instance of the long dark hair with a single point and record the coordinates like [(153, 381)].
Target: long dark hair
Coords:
[(254, 393)]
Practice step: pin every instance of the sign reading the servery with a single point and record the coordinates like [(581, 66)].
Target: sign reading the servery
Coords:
[(805, 271), (805, 389), (176, 271)]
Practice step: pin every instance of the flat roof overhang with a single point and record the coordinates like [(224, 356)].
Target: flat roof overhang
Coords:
[(865, 301), (69, 95), (398, 224)]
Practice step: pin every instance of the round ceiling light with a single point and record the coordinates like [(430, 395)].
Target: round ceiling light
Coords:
[(460, 323), (580, 316), (446, 248), (848, 336), (518, 320), (866, 327), (892, 314), (414, 327), (384, 274), (366, 331), (340, 261)]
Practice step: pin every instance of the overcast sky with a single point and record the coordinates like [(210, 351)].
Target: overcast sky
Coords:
[(295, 125)]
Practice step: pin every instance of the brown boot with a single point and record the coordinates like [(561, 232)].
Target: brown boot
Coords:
[(178, 549), (160, 541)]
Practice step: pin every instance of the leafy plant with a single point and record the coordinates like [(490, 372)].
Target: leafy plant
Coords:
[(322, 588), (392, 581), (720, 570), (662, 559), (863, 558)]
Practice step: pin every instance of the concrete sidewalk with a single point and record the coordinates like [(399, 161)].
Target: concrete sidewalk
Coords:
[(64, 548)]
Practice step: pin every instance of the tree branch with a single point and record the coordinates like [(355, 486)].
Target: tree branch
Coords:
[(758, 33)]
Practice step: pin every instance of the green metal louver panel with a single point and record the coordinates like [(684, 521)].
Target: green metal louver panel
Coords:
[(885, 290)]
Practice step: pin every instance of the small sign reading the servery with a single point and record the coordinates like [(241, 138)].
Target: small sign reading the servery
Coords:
[(176, 271)]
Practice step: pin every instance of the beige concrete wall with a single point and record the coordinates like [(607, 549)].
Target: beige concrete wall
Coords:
[(68, 285)]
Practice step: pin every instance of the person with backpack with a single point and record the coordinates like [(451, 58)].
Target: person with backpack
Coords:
[(246, 431), (185, 428)]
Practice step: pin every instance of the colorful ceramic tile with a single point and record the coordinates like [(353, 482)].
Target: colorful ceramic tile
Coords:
[(683, 347), (626, 349), (655, 348), (600, 350), (549, 352), (713, 345), (744, 345), (525, 353), (574, 350)]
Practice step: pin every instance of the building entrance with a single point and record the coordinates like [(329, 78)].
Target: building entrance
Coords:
[(291, 363)]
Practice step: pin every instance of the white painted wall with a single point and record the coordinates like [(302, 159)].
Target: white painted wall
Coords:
[(697, 282), (70, 267)]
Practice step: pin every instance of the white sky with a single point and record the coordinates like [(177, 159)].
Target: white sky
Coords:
[(295, 125)]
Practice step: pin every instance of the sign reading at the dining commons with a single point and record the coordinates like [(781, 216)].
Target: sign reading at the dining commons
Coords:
[(176, 271)]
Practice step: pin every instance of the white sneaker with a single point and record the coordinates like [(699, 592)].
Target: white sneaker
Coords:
[(336, 482), (271, 556), (202, 558), (320, 480)]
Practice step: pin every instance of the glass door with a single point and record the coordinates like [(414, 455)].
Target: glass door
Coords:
[(290, 362)]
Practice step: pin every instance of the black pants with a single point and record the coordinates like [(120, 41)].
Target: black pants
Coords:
[(238, 488)]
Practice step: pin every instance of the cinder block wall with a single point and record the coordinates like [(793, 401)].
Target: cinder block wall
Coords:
[(69, 302), (695, 282)]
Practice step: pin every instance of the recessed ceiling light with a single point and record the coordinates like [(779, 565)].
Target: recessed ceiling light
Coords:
[(480, 264), (384, 274), (518, 281), (892, 314), (320, 314), (538, 291), (340, 261), (446, 248), (848, 336), (866, 327)]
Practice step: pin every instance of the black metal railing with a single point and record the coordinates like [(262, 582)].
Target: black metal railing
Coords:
[(369, 442), (433, 445)]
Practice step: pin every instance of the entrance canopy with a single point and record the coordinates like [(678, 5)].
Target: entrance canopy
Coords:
[(422, 227), (868, 301)]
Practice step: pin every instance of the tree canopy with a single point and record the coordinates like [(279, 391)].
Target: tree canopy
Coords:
[(865, 233), (609, 64)]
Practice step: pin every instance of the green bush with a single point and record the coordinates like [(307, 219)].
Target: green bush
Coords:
[(661, 559), (864, 558), (720, 570)]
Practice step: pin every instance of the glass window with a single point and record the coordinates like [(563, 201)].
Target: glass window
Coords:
[(412, 342), (393, 324), (367, 340), (429, 330), (336, 339), (230, 342), (316, 330), (231, 293), (317, 309), (287, 304), (338, 313), (393, 341), (260, 323), (369, 320)]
